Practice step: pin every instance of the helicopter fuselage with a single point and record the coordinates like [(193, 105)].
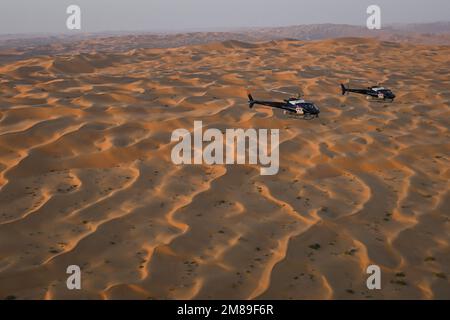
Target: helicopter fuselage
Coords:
[(293, 105), (378, 93)]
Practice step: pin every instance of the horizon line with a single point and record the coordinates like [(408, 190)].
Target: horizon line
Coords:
[(165, 31)]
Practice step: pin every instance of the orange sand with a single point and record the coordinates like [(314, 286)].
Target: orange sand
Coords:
[(86, 176)]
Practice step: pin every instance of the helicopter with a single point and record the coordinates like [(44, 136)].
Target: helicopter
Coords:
[(294, 106), (375, 93)]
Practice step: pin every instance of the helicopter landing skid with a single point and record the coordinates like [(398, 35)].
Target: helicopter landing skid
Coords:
[(379, 100), (302, 116)]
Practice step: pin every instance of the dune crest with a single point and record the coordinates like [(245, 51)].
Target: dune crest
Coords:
[(86, 176)]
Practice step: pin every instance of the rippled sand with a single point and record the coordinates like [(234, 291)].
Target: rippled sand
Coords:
[(86, 176)]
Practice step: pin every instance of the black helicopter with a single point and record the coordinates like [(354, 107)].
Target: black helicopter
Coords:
[(375, 92), (296, 107)]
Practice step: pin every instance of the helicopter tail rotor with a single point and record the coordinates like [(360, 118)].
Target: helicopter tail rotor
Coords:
[(344, 89), (251, 101)]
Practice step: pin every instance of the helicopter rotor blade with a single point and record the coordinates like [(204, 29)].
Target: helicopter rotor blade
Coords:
[(298, 94), (283, 92)]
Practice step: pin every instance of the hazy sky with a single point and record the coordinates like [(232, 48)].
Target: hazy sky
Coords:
[(24, 16)]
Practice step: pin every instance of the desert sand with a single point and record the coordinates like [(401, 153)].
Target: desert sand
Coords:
[(86, 176)]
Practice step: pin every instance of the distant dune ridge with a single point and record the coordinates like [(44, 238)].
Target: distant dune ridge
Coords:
[(26, 45), (86, 176)]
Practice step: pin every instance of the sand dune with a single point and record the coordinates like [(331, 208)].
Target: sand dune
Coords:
[(22, 46), (86, 176)]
